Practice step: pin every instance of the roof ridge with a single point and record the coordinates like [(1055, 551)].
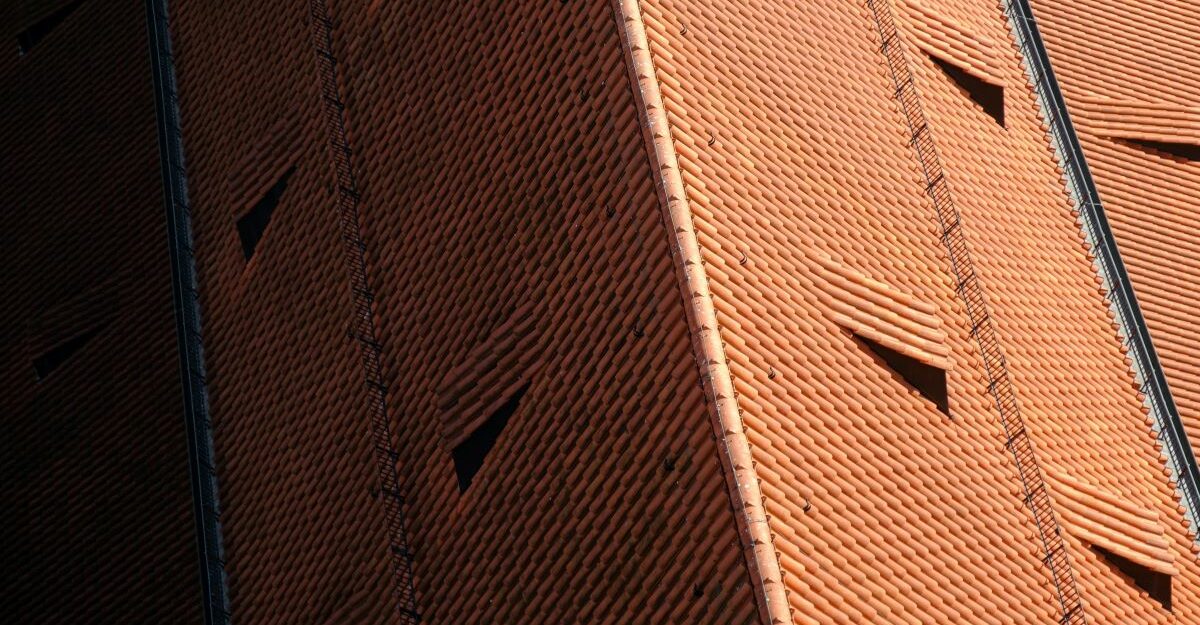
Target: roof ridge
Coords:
[(762, 560)]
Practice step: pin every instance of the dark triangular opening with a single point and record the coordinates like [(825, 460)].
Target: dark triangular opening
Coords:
[(988, 96), (253, 224), (1180, 151), (30, 37), (49, 361), (1156, 584), (927, 380), (470, 454)]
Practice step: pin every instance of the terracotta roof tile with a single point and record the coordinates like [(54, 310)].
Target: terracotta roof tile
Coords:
[(892, 318), (1145, 88), (94, 477), (662, 217), (1150, 121), (1110, 521), (880, 508), (511, 219), (945, 38)]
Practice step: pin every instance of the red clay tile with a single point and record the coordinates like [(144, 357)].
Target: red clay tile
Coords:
[(1128, 73), (94, 478)]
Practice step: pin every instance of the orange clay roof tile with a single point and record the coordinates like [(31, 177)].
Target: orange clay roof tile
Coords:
[(890, 317), (489, 375), (791, 153), (94, 484), (1113, 522), (947, 39), (1129, 119), (501, 163), (518, 213), (762, 559), (1132, 71)]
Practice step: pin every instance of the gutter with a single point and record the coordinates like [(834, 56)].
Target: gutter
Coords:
[(185, 294), (1147, 369), (742, 480)]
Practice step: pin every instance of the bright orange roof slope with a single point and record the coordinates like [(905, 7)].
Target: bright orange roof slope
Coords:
[(1130, 75), (828, 308)]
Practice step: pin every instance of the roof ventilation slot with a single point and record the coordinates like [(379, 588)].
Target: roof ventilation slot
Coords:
[(50, 360), (1171, 149), (470, 454), (1168, 130), (927, 380), (1127, 535), (1152, 582), (901, 330), (963, 56), (989, 97), (478, 397), (60, 330), (37, 31), (253, 224)]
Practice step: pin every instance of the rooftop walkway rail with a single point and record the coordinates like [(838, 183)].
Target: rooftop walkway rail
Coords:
[(362, 327), (969, 290)]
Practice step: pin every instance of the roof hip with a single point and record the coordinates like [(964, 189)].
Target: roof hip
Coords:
[(762, 560)]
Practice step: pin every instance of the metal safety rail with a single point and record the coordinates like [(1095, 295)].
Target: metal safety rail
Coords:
[(184, 290), (969, 290), (1134, 333), (362, 327)]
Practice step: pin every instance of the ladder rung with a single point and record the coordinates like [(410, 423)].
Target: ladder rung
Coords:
[(968, 289)]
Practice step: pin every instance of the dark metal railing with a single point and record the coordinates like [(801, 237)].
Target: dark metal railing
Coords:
[(970, 292), (362, 327), (201, 466), (1120, 295)]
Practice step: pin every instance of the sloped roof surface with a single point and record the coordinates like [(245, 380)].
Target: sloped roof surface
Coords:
[(303, 526), (1111, 521), (526, 247), (93, 455), (883, 509), (508, 203), (514, 238), (1130, 74)]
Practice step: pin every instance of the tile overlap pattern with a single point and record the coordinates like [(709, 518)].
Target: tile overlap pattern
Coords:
[(94, 478), (882, 509), (500, 162), (1132, 71)]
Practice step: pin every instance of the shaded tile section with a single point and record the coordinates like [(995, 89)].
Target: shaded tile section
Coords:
[(254, 223), (504, 179), (35, 32), (93, 457)]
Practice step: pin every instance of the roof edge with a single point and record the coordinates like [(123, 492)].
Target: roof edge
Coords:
[(740, 475), (1177, 452), (189, 335)]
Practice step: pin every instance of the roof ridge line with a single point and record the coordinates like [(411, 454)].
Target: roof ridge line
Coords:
[(741, 478)]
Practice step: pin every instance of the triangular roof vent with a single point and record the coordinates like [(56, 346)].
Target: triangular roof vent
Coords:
[(904, 332), (1126, 534), (478, 397), (967, 58)]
